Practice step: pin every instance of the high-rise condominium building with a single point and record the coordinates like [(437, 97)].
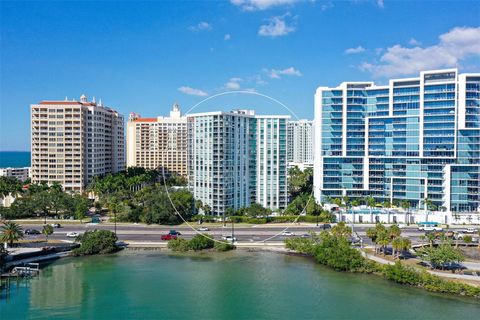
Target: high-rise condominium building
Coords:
[(300, 143), (412, 139), (158, 143), (236, 159), (74, 141)]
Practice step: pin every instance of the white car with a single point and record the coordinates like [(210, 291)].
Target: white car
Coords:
[(287, 234), (229, 238), (72, 234), (470, 230), (429, 228), (203, 229), (402, 226)]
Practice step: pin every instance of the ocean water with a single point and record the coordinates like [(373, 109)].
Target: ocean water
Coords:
[(231, 285), (15, 159)]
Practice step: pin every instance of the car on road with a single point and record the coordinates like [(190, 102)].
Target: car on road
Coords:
[(174, 233), (288, 234), (168, 237), (229, 238), (428, 227), (402, 226), (203, 229), (305, 235), (56, 225), (72, 234), (326, 226), (470, 230), (32, 231)]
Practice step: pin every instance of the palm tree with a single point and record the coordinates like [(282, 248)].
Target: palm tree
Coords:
[(370, 201), (405, 204), (11, 232), (207, 209), (431, 238), (400, 244), (47, 230), (198, 205)]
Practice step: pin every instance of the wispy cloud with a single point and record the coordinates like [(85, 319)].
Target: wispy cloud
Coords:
[(201, 26), (278, 73), (380, 3), (414, 42), (453, 47), (227, 37), (358, 49), (326, 6), (254, 5), (233, 84), (192, 91), (276, 27)]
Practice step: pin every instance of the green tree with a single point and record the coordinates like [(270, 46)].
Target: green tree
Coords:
[(11, 232), (201, 242), (96, 242), (399, 245), (47, 230), (198, 205), (207, 209), (341, 230), (81, 206), (443, 255)]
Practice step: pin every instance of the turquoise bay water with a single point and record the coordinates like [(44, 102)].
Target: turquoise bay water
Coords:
[(14, 159), (234, 285)]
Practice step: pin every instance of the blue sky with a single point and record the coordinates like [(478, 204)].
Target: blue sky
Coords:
[(144, 56)]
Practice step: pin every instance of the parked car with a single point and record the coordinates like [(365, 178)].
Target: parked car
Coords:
[(168, 237), (229, 238), (203, 229), (287, 234), (72, 234), (32, 231), (174, 233), (56, 225)]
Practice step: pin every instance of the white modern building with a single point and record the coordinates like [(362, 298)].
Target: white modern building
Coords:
[(74, 141), (300, 143), (158, 143), (21, 174), (236, 159), (413, 139)]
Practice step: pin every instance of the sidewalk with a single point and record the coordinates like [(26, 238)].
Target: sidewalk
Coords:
[(440, 274)]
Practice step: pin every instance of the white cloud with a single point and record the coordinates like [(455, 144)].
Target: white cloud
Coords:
[(192, 91), (326, 6), (276, 26), (454, 46), (380, 3), (233, 84), (202, 26), (227, 37), (358, 49), (277, 74), (253, 5), (414, 42)]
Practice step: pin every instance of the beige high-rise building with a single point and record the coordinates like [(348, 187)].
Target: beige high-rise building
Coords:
[(73, 141), (158, 143)]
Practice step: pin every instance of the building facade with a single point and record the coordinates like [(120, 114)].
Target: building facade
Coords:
[(74, 141), (21, 174), (158, 143), (412, 139), (236, 159), (300, 143)]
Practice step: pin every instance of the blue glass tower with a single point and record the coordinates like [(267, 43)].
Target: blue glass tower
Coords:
[(412, 139)]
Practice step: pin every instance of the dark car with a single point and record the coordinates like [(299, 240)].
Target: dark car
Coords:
[(168, 237), (32, 231), (326, 226), (174, 233)]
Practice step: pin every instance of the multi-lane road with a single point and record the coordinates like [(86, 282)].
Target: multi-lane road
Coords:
[(243, 233)]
